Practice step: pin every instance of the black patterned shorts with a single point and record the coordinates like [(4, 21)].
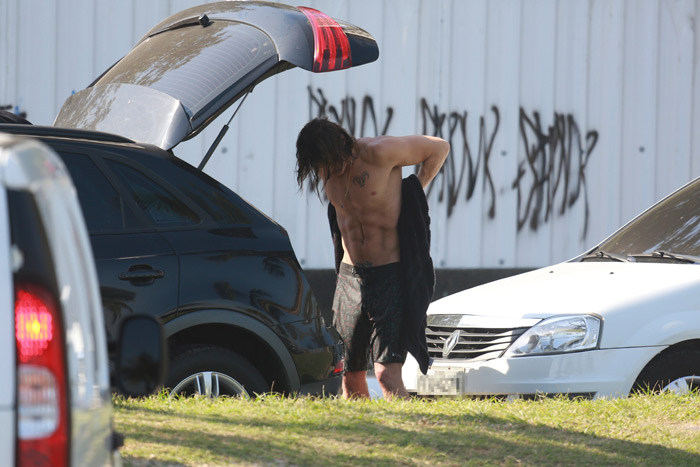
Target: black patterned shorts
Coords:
[(367, 312)]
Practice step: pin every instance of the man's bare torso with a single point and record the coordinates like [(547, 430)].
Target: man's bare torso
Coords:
[(367, 199)]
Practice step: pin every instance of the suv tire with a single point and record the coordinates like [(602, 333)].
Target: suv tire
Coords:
[(213, 371)]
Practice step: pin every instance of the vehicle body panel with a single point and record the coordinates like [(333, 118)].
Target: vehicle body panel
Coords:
[(118, 255), (315, 350), (7, 337), (7, 434), (247, 274), (598, 373), (623, 293)]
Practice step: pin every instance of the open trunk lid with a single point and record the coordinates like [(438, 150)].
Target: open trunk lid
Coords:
[(193, 65)]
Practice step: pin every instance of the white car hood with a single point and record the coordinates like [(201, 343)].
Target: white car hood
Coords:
[(603, 288)]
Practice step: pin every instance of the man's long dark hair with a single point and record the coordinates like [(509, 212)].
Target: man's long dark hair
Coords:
[(322, 146)]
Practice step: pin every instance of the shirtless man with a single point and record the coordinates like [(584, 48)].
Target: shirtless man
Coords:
[(362, 180)]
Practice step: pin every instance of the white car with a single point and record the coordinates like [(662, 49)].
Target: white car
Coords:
[(621, 317), (55, 403)]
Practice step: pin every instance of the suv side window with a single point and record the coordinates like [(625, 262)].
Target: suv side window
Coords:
[(102, 205), (211, 196), (158, 203)]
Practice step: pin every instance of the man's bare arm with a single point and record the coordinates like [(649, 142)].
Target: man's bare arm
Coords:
[(428, 151), (430, 167)]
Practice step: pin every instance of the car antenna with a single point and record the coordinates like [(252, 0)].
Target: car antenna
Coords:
[(223, 131)]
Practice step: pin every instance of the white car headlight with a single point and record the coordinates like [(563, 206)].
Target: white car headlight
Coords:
[(558, 334)]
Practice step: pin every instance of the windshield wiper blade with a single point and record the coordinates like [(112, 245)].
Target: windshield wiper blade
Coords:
[(202, 20), (675, 256), (607, 255)]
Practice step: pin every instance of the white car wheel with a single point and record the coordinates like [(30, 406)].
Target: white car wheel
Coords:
[(683, 385), (676, 370)]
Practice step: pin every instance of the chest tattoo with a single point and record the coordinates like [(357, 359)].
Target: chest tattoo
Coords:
[(361, 179)]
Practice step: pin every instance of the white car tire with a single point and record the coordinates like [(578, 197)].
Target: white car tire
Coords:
[(673, 370)]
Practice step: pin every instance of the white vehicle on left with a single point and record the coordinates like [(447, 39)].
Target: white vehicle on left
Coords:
[(55, 400)]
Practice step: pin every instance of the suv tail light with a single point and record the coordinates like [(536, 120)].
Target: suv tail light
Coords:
[(42, 413), (332, 47)]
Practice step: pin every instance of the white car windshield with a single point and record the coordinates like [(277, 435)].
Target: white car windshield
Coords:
[(667, 229)]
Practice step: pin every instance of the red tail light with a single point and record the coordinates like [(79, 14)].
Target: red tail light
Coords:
[(33, 325), (42, 412), (332, 51)]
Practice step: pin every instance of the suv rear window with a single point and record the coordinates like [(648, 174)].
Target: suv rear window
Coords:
[(102, 205), (193, 64), (220, 203), (158, 203)]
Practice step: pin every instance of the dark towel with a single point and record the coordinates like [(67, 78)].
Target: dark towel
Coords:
[(417, 273)]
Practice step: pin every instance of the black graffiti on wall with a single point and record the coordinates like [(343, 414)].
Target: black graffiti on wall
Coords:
[(464, 161), (551, 179), (553, 175), (364, 123)]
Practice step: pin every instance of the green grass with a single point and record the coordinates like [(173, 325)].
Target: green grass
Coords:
[(640, 430)]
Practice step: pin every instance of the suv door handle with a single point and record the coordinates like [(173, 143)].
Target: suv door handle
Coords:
[(141, 274)]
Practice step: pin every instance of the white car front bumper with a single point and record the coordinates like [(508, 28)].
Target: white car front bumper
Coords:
[(595, 373)]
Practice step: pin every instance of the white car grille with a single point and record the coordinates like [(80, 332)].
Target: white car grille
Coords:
[(450, 337)]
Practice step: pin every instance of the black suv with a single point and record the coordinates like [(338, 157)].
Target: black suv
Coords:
[(170, 241)]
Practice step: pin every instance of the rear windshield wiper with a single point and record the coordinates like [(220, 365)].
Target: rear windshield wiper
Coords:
[(675, 256), (202, 20), (600, 254)]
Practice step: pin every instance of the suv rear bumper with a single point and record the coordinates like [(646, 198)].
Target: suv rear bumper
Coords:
[(328, 387)]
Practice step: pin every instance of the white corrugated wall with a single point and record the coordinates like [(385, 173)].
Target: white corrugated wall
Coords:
[(566, 118)]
